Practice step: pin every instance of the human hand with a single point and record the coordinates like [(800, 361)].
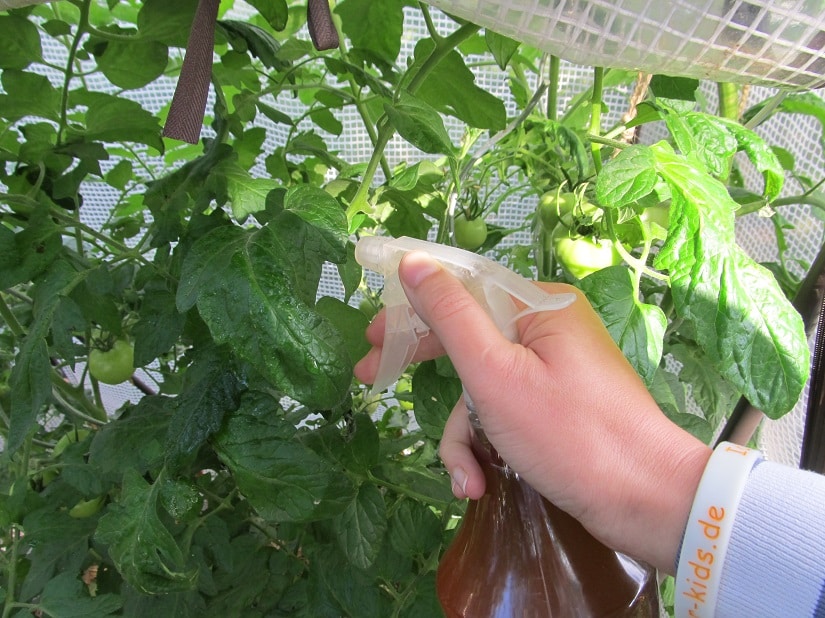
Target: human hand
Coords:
[(563, 408)]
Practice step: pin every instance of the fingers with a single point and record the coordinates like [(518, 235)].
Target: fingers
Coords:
[(366, 369), (456, 452), (463, 328)]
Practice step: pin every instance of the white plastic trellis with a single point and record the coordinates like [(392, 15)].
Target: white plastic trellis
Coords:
[(772, 42), (800, 135)]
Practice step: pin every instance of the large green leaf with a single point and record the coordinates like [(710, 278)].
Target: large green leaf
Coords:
[(746, 326), (362, 526), (434, 397), (167, 22), (419, 123), (142, 548), (28, 94), (244, 286), (158, 328), (451, 89), (637, 328), (110, 118), (275, 12), (374, 26), (31, 373), (19, 42), (282, 479), (133, 64), (210, 390), (627, 178), (145, 426), (66, 596)]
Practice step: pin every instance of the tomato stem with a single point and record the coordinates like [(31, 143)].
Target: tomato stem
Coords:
[(596, 115)]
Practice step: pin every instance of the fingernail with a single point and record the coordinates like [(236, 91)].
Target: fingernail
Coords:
[(459, 478), (417, 267)]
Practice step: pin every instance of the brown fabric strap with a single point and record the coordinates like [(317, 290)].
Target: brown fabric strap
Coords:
[(322, 29), (185, 118)]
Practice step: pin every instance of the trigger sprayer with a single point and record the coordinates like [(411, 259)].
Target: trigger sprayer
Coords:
[(490, 283), (515, 555)]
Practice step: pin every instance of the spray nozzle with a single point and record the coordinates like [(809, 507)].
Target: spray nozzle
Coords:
[(490, 283)]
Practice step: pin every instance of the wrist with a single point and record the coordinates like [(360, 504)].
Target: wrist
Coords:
[(663, 484)]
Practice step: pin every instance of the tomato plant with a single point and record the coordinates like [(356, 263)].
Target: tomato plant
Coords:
[(214, 255), (115, 365)]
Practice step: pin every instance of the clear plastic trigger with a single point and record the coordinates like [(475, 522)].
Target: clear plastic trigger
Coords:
[(402, 332)]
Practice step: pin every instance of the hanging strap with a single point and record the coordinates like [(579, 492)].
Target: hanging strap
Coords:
[(322, 30), (185, 118), (186, 113)]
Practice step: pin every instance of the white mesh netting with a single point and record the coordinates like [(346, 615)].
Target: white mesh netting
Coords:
[(799, 134)]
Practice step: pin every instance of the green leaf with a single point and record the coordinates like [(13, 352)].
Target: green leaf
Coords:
[(31, 372), (247, 194), (434, 397), (115, 119), (275, 12), (763, 157), (503, 48), (431, 486), (637, 328), (451, 89), (29, 94), (282, 479), (327, 121), (19, 43), (350, 322), (713, 396), (362, 526), (26, 254), (167, 22), (374, 26), (210, 390), (145, 427), (749, 330), (158, 328), (327, 220), (133, 64), (680, 88), (67, 597), (414, 529), (120, 175), (419, 124), (59, 543), (350, 272), (142, 548), (362, 447), (247, 298), (627, 178), (248, 37)]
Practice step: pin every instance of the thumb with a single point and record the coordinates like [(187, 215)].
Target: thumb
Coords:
[(468, 335)]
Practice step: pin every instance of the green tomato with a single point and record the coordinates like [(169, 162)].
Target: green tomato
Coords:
[(470, 234), (553, 205), (115, 365), (70, 437), (580, 256), (87, 508)]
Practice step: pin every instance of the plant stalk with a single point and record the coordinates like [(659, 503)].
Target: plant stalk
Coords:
[(596, 116)]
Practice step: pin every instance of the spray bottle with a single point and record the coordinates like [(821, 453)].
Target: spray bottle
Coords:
[(515, 555)]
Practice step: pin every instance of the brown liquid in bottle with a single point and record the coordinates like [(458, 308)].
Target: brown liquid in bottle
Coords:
[(515, 555)]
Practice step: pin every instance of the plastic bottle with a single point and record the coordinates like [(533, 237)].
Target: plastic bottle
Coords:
[(515, 555)]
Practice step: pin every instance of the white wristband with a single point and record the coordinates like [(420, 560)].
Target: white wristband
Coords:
[(709, 527)]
